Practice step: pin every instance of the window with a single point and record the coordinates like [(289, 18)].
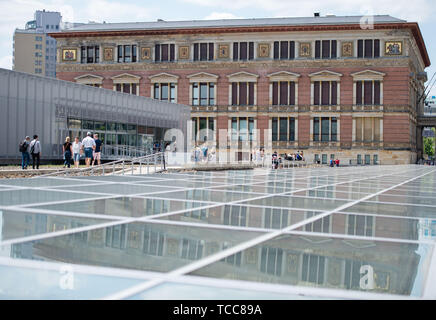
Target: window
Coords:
[(127, 53), (283, 129), (234, 259), (325, 49), (242, 93), (203, 94), (203, 51), (165, 91), (359, 225), (313, 268), (284, 50), (283, 93), (367, 159), (325, 129), (367, 129), (359, 159), (90, 54), (164, 52), (131, 88), (243, 51), (368, 92), (324, 158), (325, 93), (242, 129), (368, 48), (375, 159)]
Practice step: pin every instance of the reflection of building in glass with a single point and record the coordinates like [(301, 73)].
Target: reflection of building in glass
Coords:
[(54, 109)]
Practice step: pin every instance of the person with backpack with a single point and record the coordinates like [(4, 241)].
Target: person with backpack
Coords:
[(35, 151), (24, 148), (77, 150), (275, 160), (97, 151)]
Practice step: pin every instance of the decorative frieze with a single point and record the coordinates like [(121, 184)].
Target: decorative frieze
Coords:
[(69, 55), (146, 53), (290, 64), (183, 52), (263, 50)]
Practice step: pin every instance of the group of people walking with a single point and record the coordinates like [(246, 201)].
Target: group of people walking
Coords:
[(90, 147), (30, 148)]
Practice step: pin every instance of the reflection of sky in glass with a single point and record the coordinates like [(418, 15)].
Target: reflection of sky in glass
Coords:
[(28, 284)]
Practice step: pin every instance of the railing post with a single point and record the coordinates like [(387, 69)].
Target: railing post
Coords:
[(155, 160), (123, 167), (140, 166), (132, 166), (148, 166)]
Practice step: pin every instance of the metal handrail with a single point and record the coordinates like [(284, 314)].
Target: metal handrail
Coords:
[(156, 156)]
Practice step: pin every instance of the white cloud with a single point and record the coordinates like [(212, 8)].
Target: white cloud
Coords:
[(421, 10), (221, 15)]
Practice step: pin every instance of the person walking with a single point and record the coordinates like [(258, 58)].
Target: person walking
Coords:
[(97, 150), (24, 148), (275, 160), (88, 145), (77, 150), (67, 150), (35, 151)]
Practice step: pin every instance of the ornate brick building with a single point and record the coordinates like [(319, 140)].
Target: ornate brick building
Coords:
[(333, 87)]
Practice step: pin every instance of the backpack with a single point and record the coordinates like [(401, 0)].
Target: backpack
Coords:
[(23, 146)]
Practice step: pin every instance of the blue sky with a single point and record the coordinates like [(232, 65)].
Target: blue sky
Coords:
[(15, 13)]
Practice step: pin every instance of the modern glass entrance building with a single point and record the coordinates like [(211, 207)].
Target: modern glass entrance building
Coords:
[(54, 109)]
